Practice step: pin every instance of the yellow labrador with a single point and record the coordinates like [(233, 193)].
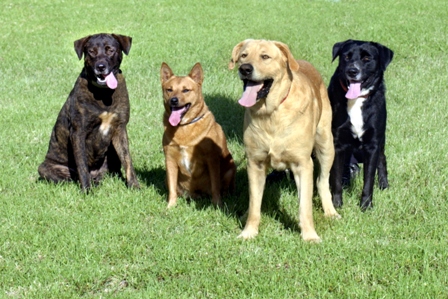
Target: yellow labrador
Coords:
[(288, 115)]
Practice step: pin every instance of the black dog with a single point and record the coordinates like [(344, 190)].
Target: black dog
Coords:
[(357, 95), (89, 137)]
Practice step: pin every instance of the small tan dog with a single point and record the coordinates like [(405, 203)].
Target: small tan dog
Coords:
[(196, 155), (288, 115)]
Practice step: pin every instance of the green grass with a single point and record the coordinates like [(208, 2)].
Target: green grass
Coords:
[(56, 242)]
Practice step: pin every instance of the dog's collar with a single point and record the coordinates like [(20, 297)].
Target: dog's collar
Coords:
[(196, 119), (287, 94), (346, 90)]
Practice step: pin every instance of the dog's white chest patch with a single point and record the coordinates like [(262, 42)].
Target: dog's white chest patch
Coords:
[(106, 120), (354, 110), (185, 160)]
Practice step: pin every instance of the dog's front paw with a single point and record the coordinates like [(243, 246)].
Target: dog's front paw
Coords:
[(248, 233), (337, 201), (133, 184), (171, 203), (217, 202), (384, 184), (332, 215), (311, 237), (366, 203), (86, 187)]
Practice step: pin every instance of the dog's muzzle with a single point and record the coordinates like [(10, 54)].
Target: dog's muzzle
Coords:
[(246, 71), (101, 71), (104, 76)]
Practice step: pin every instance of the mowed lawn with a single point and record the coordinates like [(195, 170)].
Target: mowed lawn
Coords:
[(56, 242)]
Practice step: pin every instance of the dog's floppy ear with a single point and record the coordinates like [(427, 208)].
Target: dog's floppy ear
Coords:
[(197, 74), (79, 45), (337, 48), (292, 63), (236, 54), (165, 72), (385, 53), (125, 42)]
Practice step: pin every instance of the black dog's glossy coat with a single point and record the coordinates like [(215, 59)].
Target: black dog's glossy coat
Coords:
[(368, 60), (90, 137)]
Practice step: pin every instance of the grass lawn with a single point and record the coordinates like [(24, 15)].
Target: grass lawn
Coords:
[(56, 242)]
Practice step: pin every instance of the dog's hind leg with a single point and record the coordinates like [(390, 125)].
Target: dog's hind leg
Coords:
[(324, 151), (98, 174), (228, 181), (55, 173), (215, 181)]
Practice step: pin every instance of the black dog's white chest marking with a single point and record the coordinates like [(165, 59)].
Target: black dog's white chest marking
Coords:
[(354, 110)]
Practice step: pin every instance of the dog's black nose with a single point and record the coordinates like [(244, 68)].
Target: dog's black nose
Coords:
[(100, 67), (246, 69), (352, 72), (174, 101)]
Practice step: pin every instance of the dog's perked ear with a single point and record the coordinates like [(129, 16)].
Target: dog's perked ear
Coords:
[(165, 72), (236, 54), (292, 63), (197, 74), (125, 42), (337, 48), (79, 45), (385, 53)]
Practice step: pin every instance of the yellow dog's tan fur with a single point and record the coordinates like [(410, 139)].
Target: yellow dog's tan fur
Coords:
[(282, 130), (196, 155)]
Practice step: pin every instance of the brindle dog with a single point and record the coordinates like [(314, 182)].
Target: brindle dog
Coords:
[(89, 137)]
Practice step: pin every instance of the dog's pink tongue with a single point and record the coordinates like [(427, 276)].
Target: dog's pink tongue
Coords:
[(354, 90), (111, 81), (176, 115), (249, 97)]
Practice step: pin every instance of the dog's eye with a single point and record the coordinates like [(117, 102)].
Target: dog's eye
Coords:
[(264, 57), (347, 57), (243, 55), (110, 51), (169, 90), (185, 90), (92, 52), (366, 58)]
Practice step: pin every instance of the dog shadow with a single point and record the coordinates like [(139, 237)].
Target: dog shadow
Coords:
[(236, 205), (154, 177), (228, 113)]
